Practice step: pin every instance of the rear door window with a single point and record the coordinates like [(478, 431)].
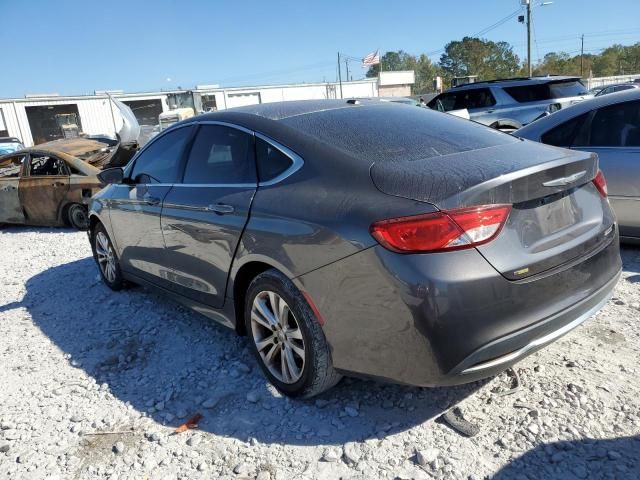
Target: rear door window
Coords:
[(160, 161), (221, 155), (613, 126), (10, 167), (528, 93)]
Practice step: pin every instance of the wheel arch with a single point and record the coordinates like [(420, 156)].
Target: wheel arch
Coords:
[(243, 272)]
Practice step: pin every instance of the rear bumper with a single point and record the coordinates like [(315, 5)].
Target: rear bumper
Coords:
[(504, 352), (450, 318)]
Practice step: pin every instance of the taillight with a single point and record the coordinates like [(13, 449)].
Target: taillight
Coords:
[(601, 183), (442, 231)]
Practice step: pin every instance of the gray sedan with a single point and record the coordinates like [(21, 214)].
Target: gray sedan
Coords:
[(608, 125), (363, 238)]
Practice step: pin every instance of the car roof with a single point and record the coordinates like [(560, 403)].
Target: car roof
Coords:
[(514, 82), (623, 84), (282, 110), (580, 108), (9, 140)]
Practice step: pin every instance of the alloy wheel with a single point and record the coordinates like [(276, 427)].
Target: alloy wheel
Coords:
[(277, 336), (106, 257)]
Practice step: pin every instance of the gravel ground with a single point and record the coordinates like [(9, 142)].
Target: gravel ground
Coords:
[(94, 384)]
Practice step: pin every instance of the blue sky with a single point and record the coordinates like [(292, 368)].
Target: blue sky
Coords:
[(74, 46)]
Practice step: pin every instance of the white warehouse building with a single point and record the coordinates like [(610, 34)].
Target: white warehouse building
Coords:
[(39, 118)]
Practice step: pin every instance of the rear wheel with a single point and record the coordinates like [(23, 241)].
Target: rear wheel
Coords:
[(286, 337), (106, 258), (78, 216)]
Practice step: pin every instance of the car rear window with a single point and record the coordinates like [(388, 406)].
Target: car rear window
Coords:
[(567, 89), (388, 132), (546, 91)]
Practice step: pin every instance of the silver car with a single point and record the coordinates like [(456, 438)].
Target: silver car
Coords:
[(511, 103), (608, 125)]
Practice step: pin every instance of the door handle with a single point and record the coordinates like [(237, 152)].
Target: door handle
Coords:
[(149, 200), (220, 208), (57, 184)]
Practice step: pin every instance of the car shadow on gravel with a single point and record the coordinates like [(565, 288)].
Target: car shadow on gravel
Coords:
[(568, 460), (170, 363)]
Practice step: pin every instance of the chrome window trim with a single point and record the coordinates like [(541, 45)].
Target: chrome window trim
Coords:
[(225, 124), (296, 160)]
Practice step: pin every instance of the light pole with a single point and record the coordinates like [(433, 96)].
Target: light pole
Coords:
[(529, 20)]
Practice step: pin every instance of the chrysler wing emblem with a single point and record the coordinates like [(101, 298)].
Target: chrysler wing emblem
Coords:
[(560, 182)]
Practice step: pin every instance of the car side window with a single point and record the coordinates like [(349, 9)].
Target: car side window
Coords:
[(10, 166), (447, 101), (564, 134), (160, 161), (613, 126), (271, 161), (476, 98), (221, 155), (42, 165)]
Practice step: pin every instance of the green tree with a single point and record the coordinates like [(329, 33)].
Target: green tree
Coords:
[(476, 56), (425, 70)]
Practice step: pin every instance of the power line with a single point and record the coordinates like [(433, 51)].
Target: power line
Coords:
[(498, 23)]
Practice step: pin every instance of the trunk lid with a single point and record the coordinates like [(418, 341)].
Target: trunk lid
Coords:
[(557, 213)]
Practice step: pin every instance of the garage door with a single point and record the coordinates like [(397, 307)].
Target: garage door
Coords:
[(145, 111), (241, 99)]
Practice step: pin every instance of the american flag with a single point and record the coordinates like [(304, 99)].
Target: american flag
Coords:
[(372, 59)]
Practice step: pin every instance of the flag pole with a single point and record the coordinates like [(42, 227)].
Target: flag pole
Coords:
[(340, 75), (379, 71)]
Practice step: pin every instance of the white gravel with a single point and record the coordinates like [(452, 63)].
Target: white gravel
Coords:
[(93, 383)]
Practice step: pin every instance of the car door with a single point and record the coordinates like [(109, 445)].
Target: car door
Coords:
[(136, 204), (613, 132), (204, 216), (42, 188), (480, 103), (10, 171)]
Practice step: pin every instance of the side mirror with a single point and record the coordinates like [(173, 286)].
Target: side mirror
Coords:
[(111, 175)]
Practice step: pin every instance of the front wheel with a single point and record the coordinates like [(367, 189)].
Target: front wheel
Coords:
[(286, 337), (105, 256)]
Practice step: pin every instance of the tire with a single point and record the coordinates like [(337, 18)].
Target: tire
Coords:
[(78, 216), (106, 258), (274, 337)]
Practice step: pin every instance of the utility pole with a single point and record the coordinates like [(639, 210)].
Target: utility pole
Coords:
[(582, 56), (346, 62), (340, 75), (529, 38)]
